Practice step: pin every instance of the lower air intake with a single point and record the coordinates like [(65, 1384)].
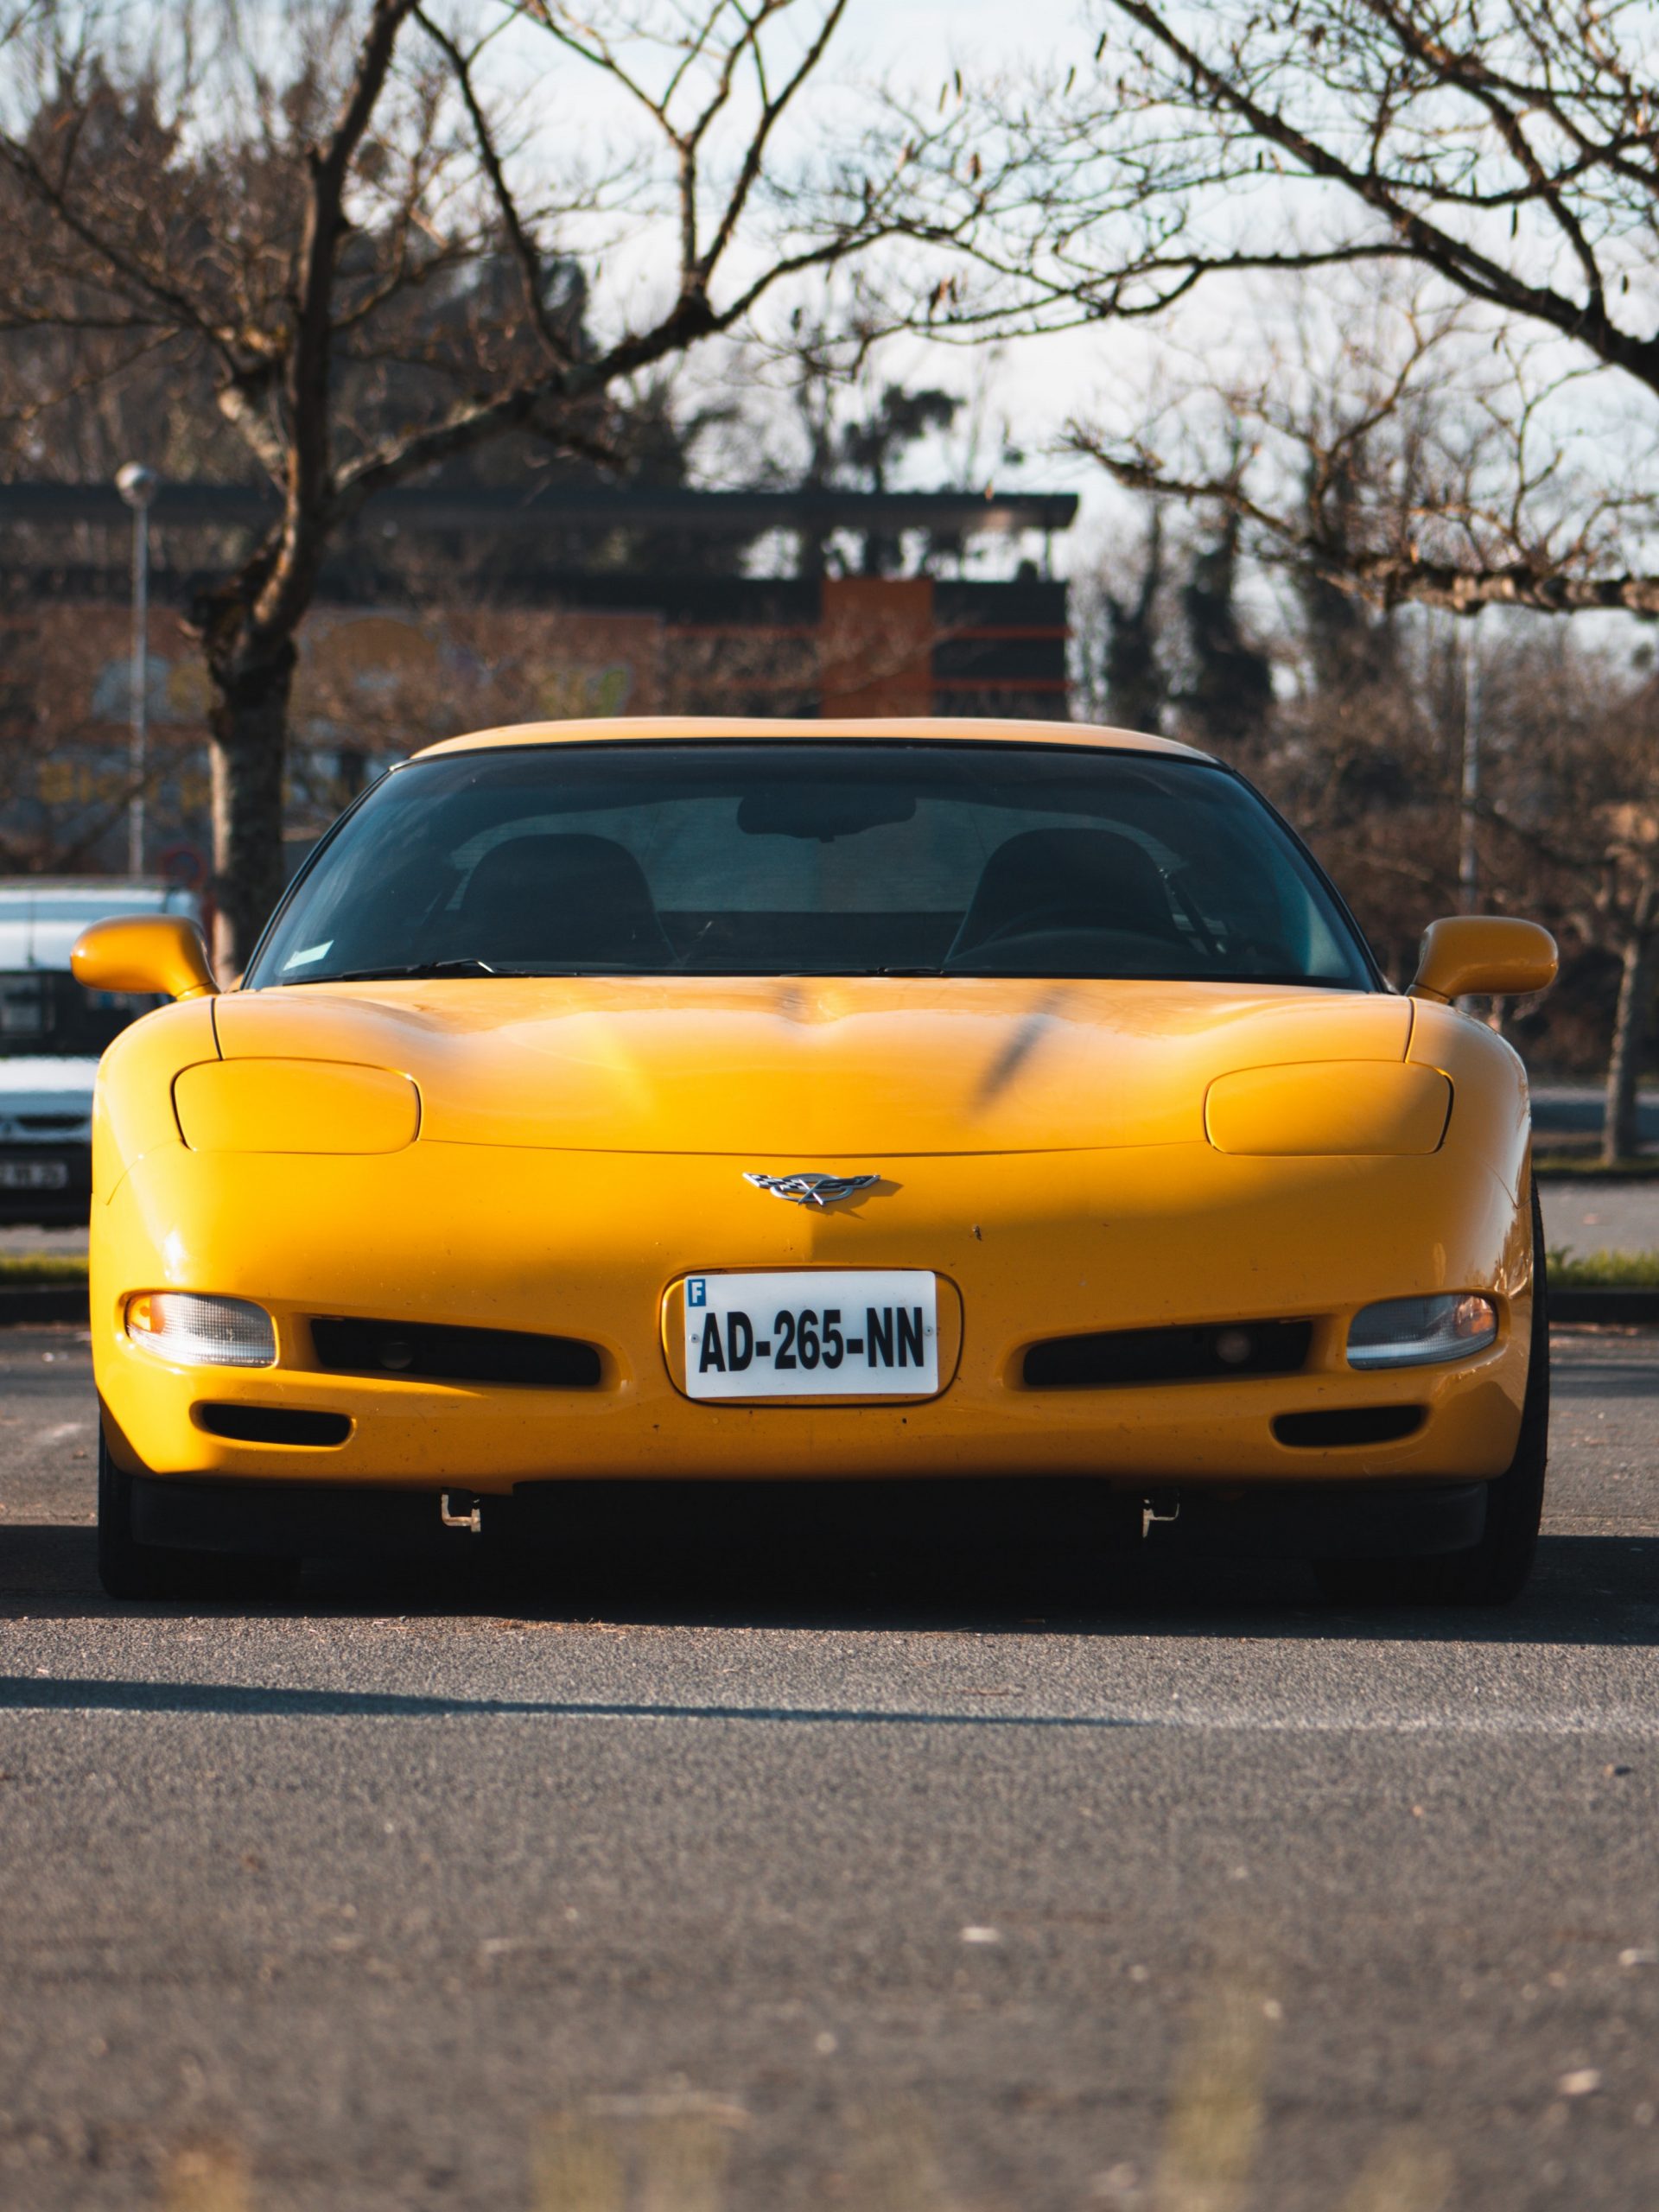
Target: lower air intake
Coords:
[(1348, 1425), (1113, 1358), (271, 1425), (440, 1354)]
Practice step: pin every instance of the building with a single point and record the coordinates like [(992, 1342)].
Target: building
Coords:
[(445, 610)]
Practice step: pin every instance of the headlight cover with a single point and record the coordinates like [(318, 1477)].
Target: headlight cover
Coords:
[(1422, 1332), (295, 1106), (1326, 1108), (200, 1331)]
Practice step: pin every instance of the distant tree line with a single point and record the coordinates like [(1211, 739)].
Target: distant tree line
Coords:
[(1352, 720)]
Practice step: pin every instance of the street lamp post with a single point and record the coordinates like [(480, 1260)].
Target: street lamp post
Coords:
[(1469, 804), (139, 486), (1469, 798)]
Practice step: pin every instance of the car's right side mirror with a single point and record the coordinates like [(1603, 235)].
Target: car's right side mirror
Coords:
[(143, 952), (1492, 954)]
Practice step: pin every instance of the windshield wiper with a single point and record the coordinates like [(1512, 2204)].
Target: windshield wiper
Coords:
[(415, 971)]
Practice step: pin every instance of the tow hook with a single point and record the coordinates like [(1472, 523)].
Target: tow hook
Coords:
[(1155, 1511), (470, 1516)]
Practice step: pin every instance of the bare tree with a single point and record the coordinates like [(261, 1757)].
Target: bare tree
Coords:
[(1121, 671), (317, 230), (1506, 154)]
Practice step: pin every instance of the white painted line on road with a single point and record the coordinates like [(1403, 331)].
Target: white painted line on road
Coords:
[(63, 1430), (1620, 1721)]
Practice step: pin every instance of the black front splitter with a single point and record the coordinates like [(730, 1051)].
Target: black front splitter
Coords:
[(1326, 1519)]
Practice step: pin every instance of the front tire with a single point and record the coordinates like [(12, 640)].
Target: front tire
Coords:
[(1494, 1571), (129, 1569)]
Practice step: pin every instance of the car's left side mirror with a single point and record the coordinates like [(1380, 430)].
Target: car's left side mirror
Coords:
[(1492, 954), (143, 952)]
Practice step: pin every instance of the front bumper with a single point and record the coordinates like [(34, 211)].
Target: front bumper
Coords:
[(590, 1244)]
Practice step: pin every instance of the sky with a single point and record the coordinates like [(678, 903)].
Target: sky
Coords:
[(1033, 384), (1036, 382), (1007, 26)]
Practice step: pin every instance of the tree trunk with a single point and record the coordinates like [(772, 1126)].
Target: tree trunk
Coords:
[(248, 724), (1621, 1135)]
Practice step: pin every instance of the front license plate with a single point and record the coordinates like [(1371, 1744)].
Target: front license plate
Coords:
[(34, 1174), (857, 1332)]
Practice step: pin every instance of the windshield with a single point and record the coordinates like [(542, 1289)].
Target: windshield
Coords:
[(46, 1012), (852, 858)]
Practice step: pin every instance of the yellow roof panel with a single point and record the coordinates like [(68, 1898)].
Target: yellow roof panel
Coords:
[(624, 728)]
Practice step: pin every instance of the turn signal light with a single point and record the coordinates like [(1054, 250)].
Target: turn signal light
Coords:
[(1419, 1331), (202, 1332)]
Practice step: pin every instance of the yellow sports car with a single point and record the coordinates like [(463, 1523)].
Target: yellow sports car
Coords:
[(958, 1110)]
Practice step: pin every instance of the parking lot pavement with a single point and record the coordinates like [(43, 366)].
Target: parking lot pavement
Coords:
[(805, 1886), (1585, 1217)]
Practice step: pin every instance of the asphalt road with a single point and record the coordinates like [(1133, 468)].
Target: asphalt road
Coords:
[(1579, 1109), (1585, 1217), (832, 1887)]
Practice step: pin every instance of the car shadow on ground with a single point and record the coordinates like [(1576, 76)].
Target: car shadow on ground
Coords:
[(1586, 1590)]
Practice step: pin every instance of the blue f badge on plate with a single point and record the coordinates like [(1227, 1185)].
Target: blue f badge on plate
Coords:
[(696, 1291)]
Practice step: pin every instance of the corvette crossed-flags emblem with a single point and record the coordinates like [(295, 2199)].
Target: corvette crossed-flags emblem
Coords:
[(818, 1191)]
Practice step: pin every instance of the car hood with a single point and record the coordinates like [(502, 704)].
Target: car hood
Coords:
[(820, 1072)]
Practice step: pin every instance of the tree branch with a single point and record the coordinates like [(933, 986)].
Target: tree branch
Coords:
[(1387, 577), (1417, 237), (532, 268)]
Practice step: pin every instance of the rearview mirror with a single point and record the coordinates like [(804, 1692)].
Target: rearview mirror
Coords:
[(1488, 953), (824, 811), (143, 952)]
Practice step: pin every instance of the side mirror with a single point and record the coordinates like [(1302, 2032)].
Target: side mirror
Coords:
[(144, 952), (1488, 953)]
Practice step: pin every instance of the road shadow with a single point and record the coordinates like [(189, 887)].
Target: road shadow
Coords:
[(100, 1693), (1586, 1590), (1587, 1377)]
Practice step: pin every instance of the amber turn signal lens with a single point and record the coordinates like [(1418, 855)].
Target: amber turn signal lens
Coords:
[(202, 1332), (1422, 1332)]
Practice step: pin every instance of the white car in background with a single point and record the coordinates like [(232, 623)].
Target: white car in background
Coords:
[(52, 1032)]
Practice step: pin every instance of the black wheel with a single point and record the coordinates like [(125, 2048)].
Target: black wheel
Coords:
[(1493, 1572), (129, 1569)]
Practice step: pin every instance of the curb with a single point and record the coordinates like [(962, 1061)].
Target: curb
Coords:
[(23, 1304), (1634, 1308), (1566, 1171)]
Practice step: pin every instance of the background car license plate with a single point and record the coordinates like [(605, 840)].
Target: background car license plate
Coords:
[(34, 1175), (854, 1332)]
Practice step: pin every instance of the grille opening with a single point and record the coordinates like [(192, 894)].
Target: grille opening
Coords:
[(1113, 1358), (451, 1355), (272, 1425), (1349, 1425)]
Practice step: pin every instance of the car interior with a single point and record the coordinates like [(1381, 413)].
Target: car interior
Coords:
[(726, 865), (1071, 898)]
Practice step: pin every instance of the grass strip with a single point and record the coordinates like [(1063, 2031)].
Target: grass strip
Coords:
[(31, 1270), (1603, 1270)]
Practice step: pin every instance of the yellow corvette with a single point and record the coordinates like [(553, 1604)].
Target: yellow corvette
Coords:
[(955, 1110)]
